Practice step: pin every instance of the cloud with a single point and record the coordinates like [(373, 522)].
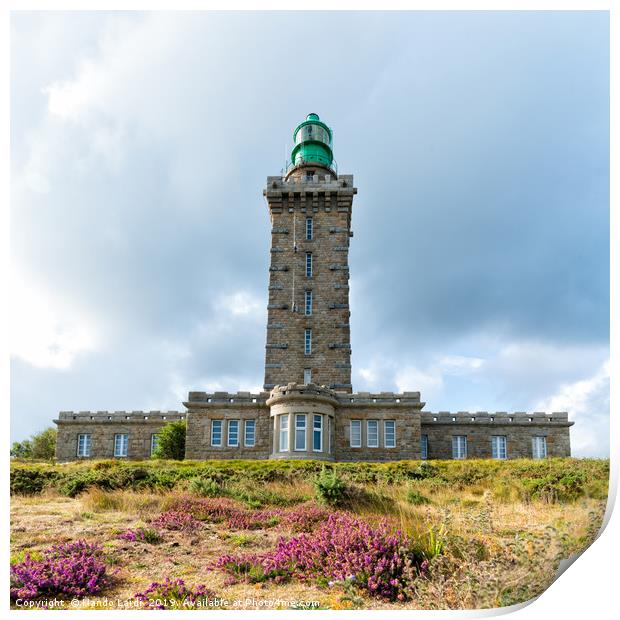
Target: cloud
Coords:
[(141, 143), (48, 331), (588, 403)]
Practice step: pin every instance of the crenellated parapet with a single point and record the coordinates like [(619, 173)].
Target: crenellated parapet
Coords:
[(226, 398), (496, 418), (115, 417)]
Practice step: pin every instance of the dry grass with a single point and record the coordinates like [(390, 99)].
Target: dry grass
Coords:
[(498, 550)]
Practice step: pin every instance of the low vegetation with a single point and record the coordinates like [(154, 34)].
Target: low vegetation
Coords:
[(243, 534)]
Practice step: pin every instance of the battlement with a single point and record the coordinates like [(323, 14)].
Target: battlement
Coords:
[(381, 398), (119, 416), (224, 398), (499, 417), (301, 183)]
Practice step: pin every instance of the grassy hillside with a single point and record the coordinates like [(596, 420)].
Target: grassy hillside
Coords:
[(253, 534)]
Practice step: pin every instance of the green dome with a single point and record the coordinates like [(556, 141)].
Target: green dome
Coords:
[(312, 143)]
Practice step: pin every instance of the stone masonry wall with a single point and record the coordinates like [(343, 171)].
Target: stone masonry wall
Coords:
[(203, 407), (103, 425), (404, 409), (518, 428), (328, 201)]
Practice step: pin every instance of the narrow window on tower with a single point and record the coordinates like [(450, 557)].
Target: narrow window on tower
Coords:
[(309, 229), (283, 433), (308, 264), (300, 431), (308, 342), (308, 303), (317, 432), (307, 375)]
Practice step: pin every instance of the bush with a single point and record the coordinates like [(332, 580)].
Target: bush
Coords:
[(31, 480), (206, 487), (67, 570), (416, 498), (171, 441), (330, 489)]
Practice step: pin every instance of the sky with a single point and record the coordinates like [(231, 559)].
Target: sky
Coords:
[(479, 144)]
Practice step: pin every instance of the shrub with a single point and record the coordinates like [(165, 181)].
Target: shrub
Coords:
[(171, 441), (174, 594), (177, 520), (206, 487), (330, 489), (555, 487), (382, 563), (416, 498), (70, 569), (31, 480)]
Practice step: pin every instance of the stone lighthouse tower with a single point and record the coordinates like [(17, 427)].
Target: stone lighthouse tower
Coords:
[(308, 330), (307, 409)]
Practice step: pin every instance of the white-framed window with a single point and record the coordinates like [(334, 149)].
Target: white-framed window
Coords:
[(283, 433), (424, 447), (84, 444), (308, 342), (539, 447), (309, 228), (300, 431), (216, 433), (498, 446), (121, 443), (356, 434), (372, 433), (389, 433), (308, 303), (154, 442), (233, 433), (249, 433), (459, 447), (308, 264), (307, 375), (317, 433)]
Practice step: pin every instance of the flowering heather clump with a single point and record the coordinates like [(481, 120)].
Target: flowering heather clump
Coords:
[(177, 520), (70, 569), (174, 594), (213, 510), (224, 510), (305, 517), (344, 547), (253, 519), (141, 534)]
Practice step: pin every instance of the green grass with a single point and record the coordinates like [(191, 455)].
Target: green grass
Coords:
[(550, 480)]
